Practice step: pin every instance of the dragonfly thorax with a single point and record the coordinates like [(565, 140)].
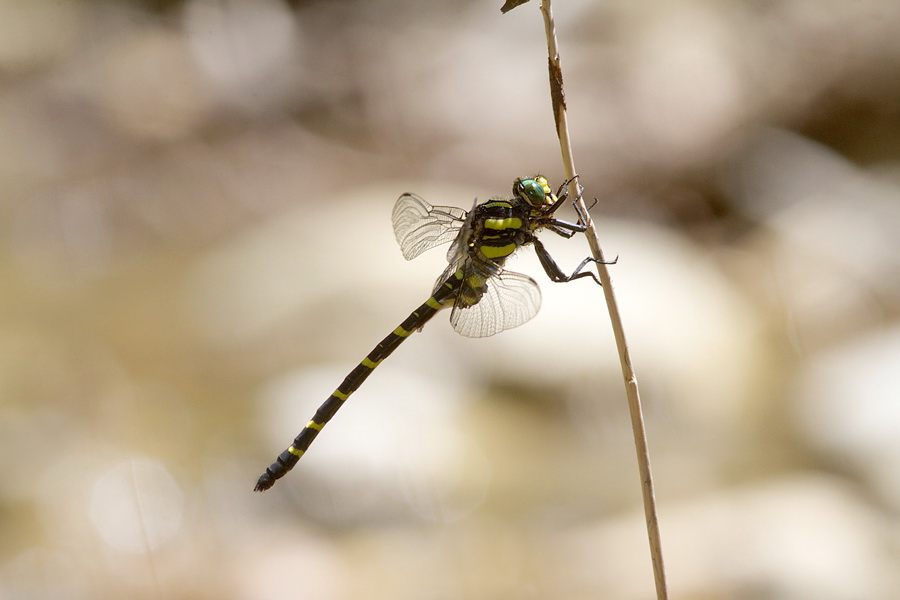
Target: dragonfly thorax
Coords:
[(499, 227)]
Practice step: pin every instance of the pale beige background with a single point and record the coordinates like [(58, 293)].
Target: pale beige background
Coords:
[(195, 247)]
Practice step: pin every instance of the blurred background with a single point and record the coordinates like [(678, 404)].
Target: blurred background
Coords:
[(195, 248)]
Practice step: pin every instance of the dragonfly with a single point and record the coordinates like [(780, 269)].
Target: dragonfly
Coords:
[(484, 298)]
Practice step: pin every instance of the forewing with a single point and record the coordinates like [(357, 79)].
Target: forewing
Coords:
[(507, 300), (420, 226)]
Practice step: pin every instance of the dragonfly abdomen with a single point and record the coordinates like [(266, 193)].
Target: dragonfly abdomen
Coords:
[(443, 297)]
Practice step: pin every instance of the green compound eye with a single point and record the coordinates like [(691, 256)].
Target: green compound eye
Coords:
[(532, 191)]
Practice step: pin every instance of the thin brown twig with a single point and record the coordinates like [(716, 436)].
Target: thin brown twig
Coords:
[(631, 384)]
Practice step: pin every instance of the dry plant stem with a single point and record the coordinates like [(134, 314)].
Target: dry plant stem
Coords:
[(631, 385)]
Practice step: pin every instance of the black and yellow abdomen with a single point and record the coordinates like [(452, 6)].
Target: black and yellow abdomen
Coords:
[(443, 296)]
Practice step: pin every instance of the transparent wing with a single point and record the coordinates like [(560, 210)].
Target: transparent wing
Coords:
[(459, 249), (490, 303), (450, 270), (420, 226)]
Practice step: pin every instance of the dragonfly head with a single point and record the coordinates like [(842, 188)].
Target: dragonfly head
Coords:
[(535, 191)]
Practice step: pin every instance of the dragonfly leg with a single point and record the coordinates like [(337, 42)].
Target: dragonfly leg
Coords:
[(564, 228), (582, 217), (555, 273), (563, 192)]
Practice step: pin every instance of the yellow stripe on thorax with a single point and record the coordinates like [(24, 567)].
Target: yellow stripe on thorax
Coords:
[(497, 251), (508, 223), (496, 203)]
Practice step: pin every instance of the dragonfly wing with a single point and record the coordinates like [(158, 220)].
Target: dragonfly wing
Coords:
[(450, 270), (459, 249), (490, 303), (420, 226)]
